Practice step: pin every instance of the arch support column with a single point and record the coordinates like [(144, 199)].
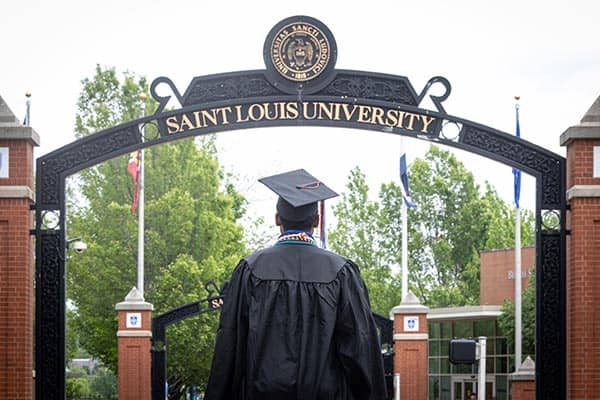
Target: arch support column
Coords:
[(410, 347), (583, 252), (134, 337)]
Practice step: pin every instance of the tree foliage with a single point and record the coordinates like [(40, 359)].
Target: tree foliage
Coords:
[(191, 231), (507, 320), (452, 223)]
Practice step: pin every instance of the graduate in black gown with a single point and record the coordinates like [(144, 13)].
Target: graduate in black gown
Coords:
[(296, 322)]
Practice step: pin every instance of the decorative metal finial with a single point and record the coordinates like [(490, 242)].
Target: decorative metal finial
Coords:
[(28, 94), (517, 98)]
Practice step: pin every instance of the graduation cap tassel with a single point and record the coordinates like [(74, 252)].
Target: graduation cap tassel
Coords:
[(323, 230)]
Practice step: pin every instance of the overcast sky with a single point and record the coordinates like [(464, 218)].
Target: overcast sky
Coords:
[(547, 52)]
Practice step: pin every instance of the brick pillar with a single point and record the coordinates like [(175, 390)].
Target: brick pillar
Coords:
[(16, 256), (134, 336), (523, 381), (410, 347), (583, 255)]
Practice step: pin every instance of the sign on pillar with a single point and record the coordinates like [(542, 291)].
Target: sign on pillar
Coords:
[(134, 343)]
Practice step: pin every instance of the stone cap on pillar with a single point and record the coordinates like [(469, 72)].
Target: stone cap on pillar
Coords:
[(11, 128), (409, 305), (526, 371), (134, 301), (589, 128)]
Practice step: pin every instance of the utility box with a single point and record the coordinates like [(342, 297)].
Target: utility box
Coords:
[(463, 351)]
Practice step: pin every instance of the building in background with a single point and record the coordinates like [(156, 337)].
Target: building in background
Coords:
[(457, 382)]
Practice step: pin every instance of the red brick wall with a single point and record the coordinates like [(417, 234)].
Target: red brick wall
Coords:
[(583, 299), (16, 278), (134, 362), (20, 164), (496, 284), (583, 276), (580, 158), (523, 390), (410, 360)]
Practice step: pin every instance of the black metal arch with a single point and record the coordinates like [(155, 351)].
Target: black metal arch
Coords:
[(352, 99)]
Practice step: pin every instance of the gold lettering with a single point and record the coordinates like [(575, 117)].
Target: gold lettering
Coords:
[(400, 119), (216, 303), (323, 109), (305, 106), (238, 112), (347, 114), (391, 117), (210, 115), (363, 113), (253, 116), (426, 123), (185, 121), (291, 110), (411, 120), (377, 117), (172, 123), (224, 114), (197, 119)]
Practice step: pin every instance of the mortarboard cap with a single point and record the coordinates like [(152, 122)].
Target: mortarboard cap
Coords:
[(298, 193)]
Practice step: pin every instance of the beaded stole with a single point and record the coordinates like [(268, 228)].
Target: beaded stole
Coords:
[(296, 237)]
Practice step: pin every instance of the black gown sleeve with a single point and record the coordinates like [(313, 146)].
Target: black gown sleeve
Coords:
[(227, 371), (357, 341)]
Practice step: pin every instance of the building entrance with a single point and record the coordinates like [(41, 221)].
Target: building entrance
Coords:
[(464, 386)]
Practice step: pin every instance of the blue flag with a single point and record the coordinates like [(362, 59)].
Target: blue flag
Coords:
[(404, 182), (516, 172)]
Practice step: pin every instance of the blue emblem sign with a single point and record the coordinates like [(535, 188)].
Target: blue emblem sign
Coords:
[(411, 324), (134, 320)]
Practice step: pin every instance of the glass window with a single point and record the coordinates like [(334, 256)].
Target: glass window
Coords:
[(434, 365), (445, 388), (434, 348), (445, 348), (434, 330), (434, 388), (501, 365), (444, 365), (446, 330), (501, 346), (489, 365), (485, 328), (501, 388), (463, 329), (490, 345), (462, 368)]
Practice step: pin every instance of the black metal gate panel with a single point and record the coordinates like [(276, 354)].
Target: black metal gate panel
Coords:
[(292, 91)]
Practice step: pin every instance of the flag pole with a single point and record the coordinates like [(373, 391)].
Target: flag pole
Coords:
[(518, 312), (404, 211), (140, 265), (27, 109)]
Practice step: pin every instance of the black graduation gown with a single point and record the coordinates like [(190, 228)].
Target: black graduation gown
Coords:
[(296, 323)]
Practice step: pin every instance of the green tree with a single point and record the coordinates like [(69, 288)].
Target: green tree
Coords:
[(191, 231), (357, 235), (452, 223), (507, 320)]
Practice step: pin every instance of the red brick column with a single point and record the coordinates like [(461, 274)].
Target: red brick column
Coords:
[(583, 256), (523, 381), (134, 336), (410, 347), (16, 256)]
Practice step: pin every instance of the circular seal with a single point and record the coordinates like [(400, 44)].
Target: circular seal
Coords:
[(300, 50)]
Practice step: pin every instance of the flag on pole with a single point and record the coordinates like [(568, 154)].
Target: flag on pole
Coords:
[(516, 172), (404, 182), (134, 166)]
